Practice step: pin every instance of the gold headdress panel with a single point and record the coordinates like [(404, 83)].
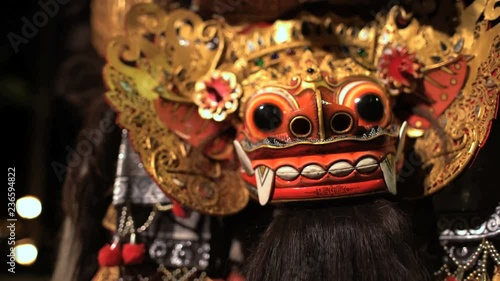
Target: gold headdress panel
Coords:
[(300, 109), (107, 18)]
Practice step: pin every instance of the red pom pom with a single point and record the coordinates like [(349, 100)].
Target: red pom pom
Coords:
[(109, 256), (133, 253), (179, 211)]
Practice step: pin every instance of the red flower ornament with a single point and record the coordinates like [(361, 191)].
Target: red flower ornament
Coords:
[(217, 95), (399, 69)]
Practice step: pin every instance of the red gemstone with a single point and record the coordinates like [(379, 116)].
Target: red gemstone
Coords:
[(451, 278)]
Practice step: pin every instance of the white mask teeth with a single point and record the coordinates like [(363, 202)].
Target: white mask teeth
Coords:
[(367, 165), (341, 169), (313, 171), (245, 161), (265, 181), (388, 167), (287, 173)]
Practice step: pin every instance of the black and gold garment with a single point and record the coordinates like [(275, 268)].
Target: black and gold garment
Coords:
[(175, 243)]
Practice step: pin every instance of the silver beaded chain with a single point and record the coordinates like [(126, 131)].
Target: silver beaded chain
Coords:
[(126, 223), (486, 248), (183, 274)]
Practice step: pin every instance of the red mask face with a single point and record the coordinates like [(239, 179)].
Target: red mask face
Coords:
[(319, 139)]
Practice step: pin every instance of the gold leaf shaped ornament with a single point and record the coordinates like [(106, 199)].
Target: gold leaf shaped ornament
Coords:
[(151, 73), (461, 78)]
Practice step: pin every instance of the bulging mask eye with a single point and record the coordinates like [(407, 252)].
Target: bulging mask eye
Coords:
[(267, 117), (370, 107), (266, 113), (368, 100)]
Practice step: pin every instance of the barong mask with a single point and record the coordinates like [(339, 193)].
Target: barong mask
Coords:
[(302, 109)]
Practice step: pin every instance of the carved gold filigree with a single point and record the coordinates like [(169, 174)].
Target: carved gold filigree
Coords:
[(315, 68), (467, 121), (163, 50), (186, 175), (491, 11)]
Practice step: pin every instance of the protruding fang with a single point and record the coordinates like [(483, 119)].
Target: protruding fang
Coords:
[(401, 142), (244, 159), (265, 181), (388, 167)]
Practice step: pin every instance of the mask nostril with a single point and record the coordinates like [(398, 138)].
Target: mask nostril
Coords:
[(341, 122), (300, 127)]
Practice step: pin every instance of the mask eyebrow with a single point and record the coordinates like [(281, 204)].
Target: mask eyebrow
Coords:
[(346, 89), (282, 93)]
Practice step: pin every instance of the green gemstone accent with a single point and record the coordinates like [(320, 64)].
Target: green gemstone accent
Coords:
[(259, 62), (362, 53), (160, 89), (126, 86)]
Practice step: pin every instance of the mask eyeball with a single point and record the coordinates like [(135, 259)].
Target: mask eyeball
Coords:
[(267, 112), (267, 117), (370, 107), (368, 100)]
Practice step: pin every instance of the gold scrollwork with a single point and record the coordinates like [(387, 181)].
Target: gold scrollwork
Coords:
[(467, 120), (491, 11)]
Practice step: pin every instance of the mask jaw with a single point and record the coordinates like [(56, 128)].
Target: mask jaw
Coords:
[(286, 175)]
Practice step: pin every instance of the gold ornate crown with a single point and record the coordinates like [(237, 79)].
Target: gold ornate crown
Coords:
[(181, 84)]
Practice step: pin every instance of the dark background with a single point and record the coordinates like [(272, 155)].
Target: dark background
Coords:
[(42, 116)]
